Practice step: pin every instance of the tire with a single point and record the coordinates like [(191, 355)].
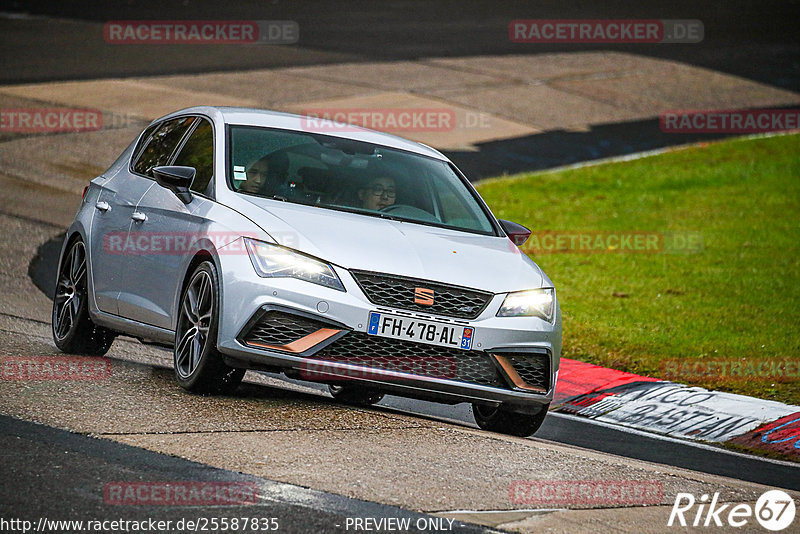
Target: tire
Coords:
[(504, 421), (355, 395), (73, 329), (198, 365)]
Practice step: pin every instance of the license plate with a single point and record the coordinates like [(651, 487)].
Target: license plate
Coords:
[(421, 331)]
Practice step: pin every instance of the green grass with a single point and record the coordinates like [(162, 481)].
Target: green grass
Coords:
[(737, 298)]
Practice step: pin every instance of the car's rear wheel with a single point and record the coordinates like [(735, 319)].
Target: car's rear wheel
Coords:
[(198, 365), (355, 395), (501, 419), (73, 329)]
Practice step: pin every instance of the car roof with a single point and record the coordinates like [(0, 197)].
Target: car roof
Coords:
[(287, 121)]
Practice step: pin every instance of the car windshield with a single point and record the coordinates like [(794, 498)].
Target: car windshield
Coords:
[(343, 174)]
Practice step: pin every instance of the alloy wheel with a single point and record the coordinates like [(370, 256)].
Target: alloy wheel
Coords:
[(197, 309), (70, 290)]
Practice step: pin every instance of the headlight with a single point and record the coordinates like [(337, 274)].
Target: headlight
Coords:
[(272, 261), (531, 303)]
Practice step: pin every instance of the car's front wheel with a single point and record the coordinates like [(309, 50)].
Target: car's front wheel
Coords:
[(73, 329), (198, 365), (355, 395), (502, 420)]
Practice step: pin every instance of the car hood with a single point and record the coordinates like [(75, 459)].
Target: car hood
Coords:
[(355, 241)]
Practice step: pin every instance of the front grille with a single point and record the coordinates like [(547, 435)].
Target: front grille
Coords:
[(278, 328), (398, 292), (373, 352), (533, 368)]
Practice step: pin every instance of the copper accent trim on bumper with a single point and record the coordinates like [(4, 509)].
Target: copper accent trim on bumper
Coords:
[(299, 345), (512, 375)]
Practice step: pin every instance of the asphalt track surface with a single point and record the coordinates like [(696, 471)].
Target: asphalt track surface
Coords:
[(559, 428), (755, 40), (53, 474), (56, 474), (581, 432)]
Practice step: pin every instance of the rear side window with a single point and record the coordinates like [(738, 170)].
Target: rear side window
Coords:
[(144, 139), (161, 145), (198, 152)]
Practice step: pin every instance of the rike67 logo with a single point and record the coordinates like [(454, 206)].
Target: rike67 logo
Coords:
[(774, 510)]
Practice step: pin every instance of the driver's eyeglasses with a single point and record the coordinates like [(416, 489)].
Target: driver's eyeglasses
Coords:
[(379, 191), (256, 173)]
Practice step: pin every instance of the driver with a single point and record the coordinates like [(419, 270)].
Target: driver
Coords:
[(266, 174), (257, 176), (379, 192)]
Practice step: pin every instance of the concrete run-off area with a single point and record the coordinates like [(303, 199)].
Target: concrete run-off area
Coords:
[(488, 98)]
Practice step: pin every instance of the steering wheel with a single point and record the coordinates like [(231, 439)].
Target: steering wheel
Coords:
[(404, 210)]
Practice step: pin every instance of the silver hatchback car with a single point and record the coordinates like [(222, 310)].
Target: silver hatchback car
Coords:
[(250, 239)]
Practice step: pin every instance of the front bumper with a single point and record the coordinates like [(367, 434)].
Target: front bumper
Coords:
[(319, 334)]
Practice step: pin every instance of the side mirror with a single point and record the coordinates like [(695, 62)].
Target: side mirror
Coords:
[(518, 233), (176, 179)]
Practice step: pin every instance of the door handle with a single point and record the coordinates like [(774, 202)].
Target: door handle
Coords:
[(102, 206), (138, 216)]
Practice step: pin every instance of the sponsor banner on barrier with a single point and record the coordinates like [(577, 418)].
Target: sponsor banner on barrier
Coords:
[(678, 410)]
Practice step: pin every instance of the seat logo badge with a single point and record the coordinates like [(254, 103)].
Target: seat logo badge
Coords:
[(423, 296)]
